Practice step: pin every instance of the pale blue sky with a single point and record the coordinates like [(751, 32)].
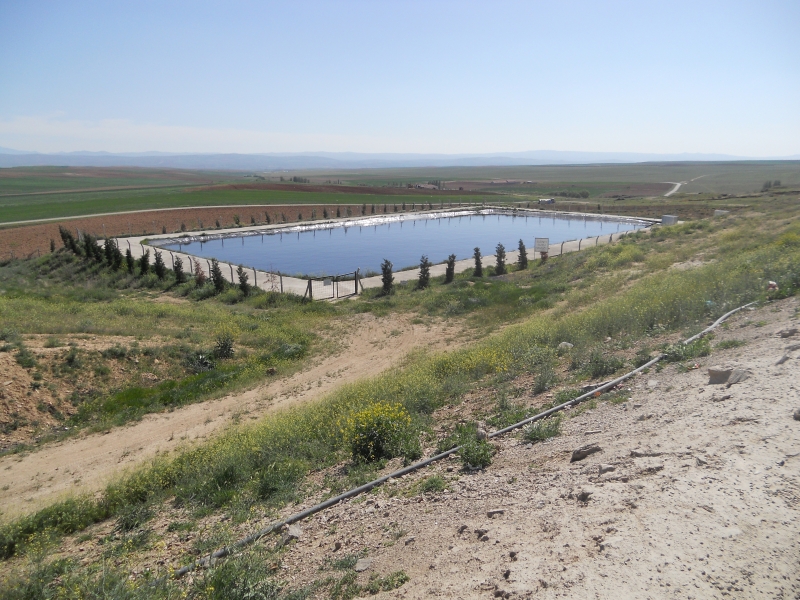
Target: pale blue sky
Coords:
[(432, 76)]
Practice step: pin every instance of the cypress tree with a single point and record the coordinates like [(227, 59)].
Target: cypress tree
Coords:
[(108, 250), (478, 272), (180, 276), (243, 280), (387, 279), (217, 278), (118, 258), (500, 255), (424, 273), (522, 262), (450, 270), (88, 246), (199, 274), (160, 268), (144, 263), (129, 261)]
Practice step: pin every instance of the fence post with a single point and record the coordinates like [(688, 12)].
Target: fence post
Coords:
[(173, 260), (579, 243), (255, 277), (610, 238), (597, 240), (310, 291), (281, 276), (562, 248)]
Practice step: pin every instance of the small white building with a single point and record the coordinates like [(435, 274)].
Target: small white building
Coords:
[(546, 201)]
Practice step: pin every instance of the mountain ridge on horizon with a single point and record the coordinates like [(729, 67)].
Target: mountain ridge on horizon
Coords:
[(331, 160)]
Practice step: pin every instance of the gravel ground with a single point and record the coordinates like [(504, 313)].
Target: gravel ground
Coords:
[(700, 497)]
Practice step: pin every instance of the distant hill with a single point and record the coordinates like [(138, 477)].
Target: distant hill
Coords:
[(341, 160)]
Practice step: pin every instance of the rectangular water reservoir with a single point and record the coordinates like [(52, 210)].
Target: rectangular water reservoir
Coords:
[(330, 247)]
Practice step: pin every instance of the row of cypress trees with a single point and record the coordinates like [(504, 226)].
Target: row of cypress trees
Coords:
[(387, 277), (109, 254)]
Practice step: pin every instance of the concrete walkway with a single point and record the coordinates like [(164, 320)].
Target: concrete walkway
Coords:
[(293, 285)]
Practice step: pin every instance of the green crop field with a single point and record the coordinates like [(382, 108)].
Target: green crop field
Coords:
[(54, 192), (19, 208)]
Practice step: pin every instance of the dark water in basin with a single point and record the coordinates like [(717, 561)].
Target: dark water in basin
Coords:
[(328, 250)]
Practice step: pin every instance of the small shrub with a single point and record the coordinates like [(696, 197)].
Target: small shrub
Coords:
[(566, 395), (430, 485), (25, 358), (248, 576), (680, 351), (379, 431), (277, 481), (542, 430), (133, 516), (391, 582), (642, 357), (601, 364), (476, 453), (727, 344), (223, 344), (53, 342), (116, 352), (545, 379)]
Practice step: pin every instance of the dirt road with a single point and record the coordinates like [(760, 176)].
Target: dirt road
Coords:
[(85, 464)]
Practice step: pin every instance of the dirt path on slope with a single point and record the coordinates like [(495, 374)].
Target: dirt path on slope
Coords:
[(695, 493), (368, 345)]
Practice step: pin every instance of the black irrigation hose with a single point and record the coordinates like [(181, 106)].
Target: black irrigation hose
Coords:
[(277, 525)]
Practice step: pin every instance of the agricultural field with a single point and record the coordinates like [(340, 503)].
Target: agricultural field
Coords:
[(53, 192), (219, 408), (605, 181)]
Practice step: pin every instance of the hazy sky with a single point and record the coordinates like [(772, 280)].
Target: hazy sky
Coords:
[(402, 76)]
